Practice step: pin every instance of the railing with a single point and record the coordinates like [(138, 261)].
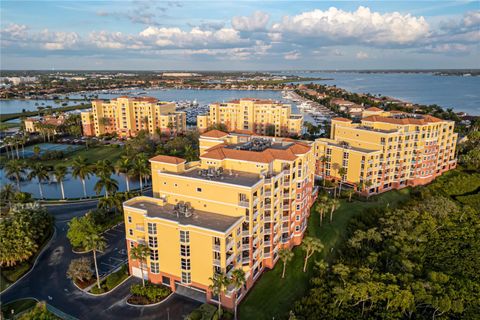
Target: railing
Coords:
[(267, 243), (229, 245), (268, 193), (245, 233), (255, 228), (245, 204), (268, 230), (255, 215), (216, 247), (285, 219), (255, 201), (285, 229), (256, 241), (245, 246), (268, 180), (268, 219), (230, 259), (216, 262)]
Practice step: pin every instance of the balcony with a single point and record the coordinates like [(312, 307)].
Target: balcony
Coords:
[(229, 245), (255, 228), (230, 259), (256, 241), (268, 230), (255, 201), (244, 203), (216, 262), (268, 243), (268, 193), (268, 180), (267, 255), (245, 233), (285, 229), (245, 246), (140, 228), (216, 247), (285, 219), (268, 219), (255, 215)]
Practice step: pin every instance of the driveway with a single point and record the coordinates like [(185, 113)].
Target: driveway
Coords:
[(48, 282)]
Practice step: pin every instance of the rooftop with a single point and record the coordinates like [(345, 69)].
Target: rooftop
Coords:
[(214, 134), (345, 145), (167, 159), (404, 119), (197, 218), (234, 177)]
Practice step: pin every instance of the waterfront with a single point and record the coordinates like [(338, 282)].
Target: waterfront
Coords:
[(460, 93), (457, 92)]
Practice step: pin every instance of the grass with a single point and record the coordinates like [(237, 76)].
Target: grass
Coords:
[(272, 296), (93, 154), (111, 281), (18, 306), (10, 275)]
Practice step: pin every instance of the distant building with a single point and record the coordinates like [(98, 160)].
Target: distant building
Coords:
[(127, 116), (33, 125), (265, 117)]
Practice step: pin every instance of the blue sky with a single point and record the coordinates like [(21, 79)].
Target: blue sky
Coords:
[(239, 35)]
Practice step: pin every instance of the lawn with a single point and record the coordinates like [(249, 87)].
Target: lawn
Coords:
[(272, 296), (18, 306), (93, 154)]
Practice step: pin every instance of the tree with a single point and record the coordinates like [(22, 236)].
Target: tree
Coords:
[(322, 206), (80, 269), (238, 280), (16, 169), (39, 171), (104, 168), (7, 194), (124, 166), (342, 171), (334, 204), (110, 185), (140, 253), (310, 245), (323, 160), (36, 151), (285, 255), (218, 284), (39, 312), (79, 228), (140, 166), (94, 242), (81, 170), (60, 172)]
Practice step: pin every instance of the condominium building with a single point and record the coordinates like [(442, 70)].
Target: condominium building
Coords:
[(245, 198), (127, 116), (387, 150), (33, 125), (265, 117)]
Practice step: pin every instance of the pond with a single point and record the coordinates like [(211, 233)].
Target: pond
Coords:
[(72, 186)]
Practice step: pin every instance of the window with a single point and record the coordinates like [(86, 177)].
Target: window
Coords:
[(129, 219), (154, 267), (297, 228), (130, 232), (186, 277), (153, 254), (184, 236), (152, 242), (132, 244), (185, 264), (152, 228), (185, 250), (199, 189), (166, 281), (297, 218)]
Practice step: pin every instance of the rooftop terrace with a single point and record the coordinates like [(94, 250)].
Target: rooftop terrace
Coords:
[(197, 218), (234, 177)]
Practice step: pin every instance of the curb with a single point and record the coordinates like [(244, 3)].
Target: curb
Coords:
[(47, 245), (148, 305), (102, 294)]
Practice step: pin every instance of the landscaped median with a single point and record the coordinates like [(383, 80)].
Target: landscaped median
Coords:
[(26, 309), (208, 312), (107, 284), (148, 294)]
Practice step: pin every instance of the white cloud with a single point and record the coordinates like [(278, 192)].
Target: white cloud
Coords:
[(256, 22), (292, 55), (361, 26), (361, 55)]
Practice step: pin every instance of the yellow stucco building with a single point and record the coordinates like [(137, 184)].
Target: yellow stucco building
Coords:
[(265, 117), (387, 150), (243, 200), (127, 116)]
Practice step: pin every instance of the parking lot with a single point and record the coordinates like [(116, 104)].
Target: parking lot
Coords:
[(116, 253)]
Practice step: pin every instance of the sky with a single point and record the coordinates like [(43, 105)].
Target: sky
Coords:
[(239, 35)]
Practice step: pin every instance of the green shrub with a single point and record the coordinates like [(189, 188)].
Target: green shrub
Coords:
[(115, 278), (152, 292), (97, 290), (195, 315)]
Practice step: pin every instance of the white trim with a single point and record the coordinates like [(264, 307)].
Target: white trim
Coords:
[(159, 172)]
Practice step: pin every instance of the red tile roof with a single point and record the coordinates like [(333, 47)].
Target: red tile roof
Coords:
[(342, 119), (373, 109), (167, 159), (417, 121), (214, 134)]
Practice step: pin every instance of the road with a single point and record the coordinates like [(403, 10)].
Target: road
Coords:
[(47, 281)]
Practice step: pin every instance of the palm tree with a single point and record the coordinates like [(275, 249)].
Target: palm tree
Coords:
[(323, 160), (81, 170), (334, 204), (60, 172), (110, 185), (7, 194), (335, 186), (16, 169), (189, 153), (124, 165), (342, 172), (104, 168), (311, 245), (238, 280), (285, 255), (322, 206), (140, 253), (106, 203), (94, 242), (219, 282), (141, 168), (39, 171), (368, 184)]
